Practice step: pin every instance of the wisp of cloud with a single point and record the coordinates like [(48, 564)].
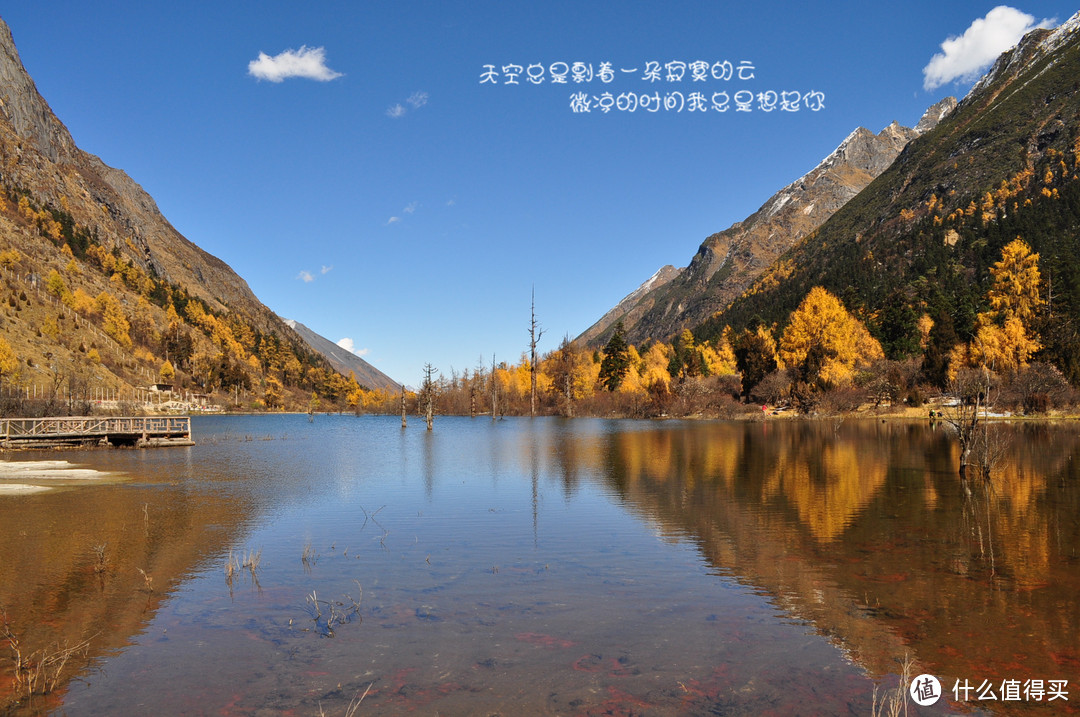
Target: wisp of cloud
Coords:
[(348, 344)]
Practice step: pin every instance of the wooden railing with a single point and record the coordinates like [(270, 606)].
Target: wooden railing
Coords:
[(75, 427)]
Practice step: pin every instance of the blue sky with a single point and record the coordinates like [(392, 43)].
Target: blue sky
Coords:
[(384, 195)]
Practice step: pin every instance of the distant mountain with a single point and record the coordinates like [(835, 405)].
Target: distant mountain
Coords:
[(922, 236), (102, 291), (344, 362), (729, 261)]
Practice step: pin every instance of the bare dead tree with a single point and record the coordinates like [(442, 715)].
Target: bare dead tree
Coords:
[(981, 447), (403, 421), (476, 385), (535, 333), (494, 391), (966, 416), (428, 393)]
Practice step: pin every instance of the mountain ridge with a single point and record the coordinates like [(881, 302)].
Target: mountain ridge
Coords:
[(923, 235), (728, 261), (103, 292), (343, 360), (126, 207)]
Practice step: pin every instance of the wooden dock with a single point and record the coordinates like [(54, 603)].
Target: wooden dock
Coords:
[(139, 432)]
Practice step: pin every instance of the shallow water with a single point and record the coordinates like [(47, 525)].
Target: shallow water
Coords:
[(543, 566)]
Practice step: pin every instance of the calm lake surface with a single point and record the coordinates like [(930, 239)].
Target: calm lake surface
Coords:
[(544, 566)]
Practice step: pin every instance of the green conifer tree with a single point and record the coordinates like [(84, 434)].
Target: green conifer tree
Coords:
[(616, 361)]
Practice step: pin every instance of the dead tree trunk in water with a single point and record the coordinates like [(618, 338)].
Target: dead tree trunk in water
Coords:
[(980, 449), (403, 421), (494, 391), (535, 333), (429, 394)]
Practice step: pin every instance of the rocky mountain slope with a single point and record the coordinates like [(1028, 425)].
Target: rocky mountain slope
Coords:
[(344, 362), (729, 261), (923, 235), (104, 199), (102, 291)]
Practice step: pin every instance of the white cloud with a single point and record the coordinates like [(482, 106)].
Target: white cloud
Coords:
[(308, 62), (418, 99), (411, 208), (326, 270), (450, 202), (964, 58), (348, 344), (306, 276), (393, 220)]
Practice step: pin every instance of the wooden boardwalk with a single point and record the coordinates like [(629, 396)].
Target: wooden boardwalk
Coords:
[(143, 431)]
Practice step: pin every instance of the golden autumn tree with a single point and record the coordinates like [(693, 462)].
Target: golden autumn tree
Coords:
[(273, 393), (632, 382), (9, 362), (571, 372), (719, 360), (167, 372), (654, 363), (1004, 339), (1015, 291), (9, 258), (825, 341), (81, 302), (114, 321), (354, 394), (143, 329), (54, 284)]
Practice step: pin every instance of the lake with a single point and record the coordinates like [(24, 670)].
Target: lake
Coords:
[(541, 566)]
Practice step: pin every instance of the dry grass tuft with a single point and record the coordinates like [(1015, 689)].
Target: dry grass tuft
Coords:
[(41, 671), (894, 702)]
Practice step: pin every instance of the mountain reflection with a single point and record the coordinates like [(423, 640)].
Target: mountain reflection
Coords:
[(94, 563), (864, 530), (496, 547)]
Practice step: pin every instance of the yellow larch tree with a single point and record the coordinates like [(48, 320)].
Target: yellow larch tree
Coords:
[(632, 382), (9, 362), (1015, 291), (719, 360), (114, 321), (826, 341), (925, 325), (654, 365), (1003, 339)]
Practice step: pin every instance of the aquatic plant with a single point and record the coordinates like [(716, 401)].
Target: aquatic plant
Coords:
[(337, 612), (101, 560), (251, 560), (40, 671), (894, 702), (309, 557), (232, 567), (147, 580)]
